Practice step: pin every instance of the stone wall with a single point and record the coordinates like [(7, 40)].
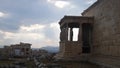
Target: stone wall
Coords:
[(106, 33), (70, 49), (106, 28)]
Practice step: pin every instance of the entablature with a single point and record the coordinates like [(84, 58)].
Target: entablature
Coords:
[(75, 20)]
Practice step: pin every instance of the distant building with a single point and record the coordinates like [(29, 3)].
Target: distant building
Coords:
[(22, 49), (39, 52), (18, 50), (1, 53)]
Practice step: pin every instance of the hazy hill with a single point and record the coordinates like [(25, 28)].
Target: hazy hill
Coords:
[(51, 49)]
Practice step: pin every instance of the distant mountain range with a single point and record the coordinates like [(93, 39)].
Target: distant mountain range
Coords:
[(49, 49), (1, 46)]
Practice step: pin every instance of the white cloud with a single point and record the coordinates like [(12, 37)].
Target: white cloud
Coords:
[(54, 25), (3, 14), (1, 32), (59, 3), (56, 29), (34, 34), (8, 35), (32, 27), (90, 1)]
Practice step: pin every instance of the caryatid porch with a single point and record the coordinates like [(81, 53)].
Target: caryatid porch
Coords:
[(70, 47)]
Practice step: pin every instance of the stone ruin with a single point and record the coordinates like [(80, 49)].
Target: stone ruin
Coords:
[(98, 38)]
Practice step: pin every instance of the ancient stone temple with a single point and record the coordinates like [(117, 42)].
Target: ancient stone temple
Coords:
[(98, 38), (81, 45)]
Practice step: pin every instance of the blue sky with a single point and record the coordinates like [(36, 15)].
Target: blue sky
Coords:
[(36, 21)]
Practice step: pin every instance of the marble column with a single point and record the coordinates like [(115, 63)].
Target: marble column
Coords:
[(66, 34), (80, 33), (71, 34)]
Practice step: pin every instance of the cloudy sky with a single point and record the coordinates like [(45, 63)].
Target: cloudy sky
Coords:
[(35, 21)]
